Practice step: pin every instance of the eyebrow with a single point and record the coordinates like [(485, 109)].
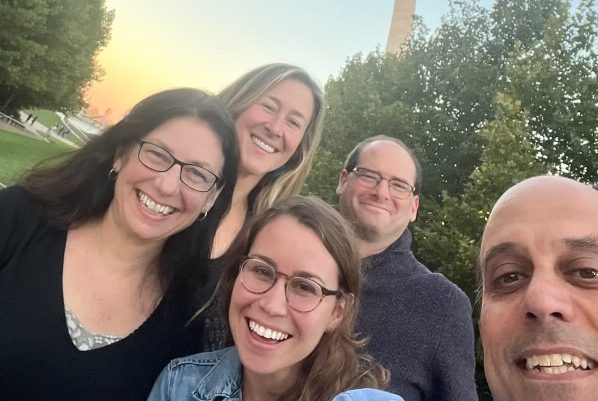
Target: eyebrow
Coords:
[(301, 273), (393, 178), (589, 242), (160, 143), (494, 251)]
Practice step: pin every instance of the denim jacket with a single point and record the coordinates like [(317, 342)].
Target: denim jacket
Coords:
[(366, 394), (216, 376), (210, 376)]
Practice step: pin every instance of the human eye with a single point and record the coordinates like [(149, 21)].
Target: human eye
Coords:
[(303, 287), (196, 174), (584, 273), (399, 186), (268, 106), (368, 176), (156, 155), (506, 278), (295, 123), (261, 272)]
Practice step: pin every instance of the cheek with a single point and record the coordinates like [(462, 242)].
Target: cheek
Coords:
[(239, 297), (492, 328), (294, 143)]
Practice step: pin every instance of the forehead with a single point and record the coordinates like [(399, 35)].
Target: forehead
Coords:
[(388, 158), (295, 247), (295, 95), (190, 140), (542, 218)]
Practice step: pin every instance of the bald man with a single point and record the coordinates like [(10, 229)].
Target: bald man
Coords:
[(539, 316)]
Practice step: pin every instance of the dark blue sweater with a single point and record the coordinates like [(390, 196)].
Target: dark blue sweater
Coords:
[(419, 325)]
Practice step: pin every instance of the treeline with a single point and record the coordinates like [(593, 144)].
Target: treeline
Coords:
[(48, 52), (491, 97)]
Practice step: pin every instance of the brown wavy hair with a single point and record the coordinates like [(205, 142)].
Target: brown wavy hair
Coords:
[(337, 363)]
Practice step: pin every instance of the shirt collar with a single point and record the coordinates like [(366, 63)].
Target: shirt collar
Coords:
[(223, 380)]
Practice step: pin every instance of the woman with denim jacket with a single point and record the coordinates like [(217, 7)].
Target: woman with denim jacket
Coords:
[(292, 302)]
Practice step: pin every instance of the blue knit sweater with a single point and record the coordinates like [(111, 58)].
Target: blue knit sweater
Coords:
[(419, 325)]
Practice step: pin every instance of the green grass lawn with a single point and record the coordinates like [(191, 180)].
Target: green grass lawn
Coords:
[(19, 153), (46, 117), (49, 119)]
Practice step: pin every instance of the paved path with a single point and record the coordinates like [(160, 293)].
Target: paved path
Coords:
[(38, 128)]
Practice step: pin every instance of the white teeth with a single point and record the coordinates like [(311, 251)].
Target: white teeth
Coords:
[(544, 360), (263, 145), (153, 206), (266, 332), (558, 363), (556, 360)]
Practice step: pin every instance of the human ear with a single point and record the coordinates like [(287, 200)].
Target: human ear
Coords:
[(211, 199), (343, 305), (341, 182), (414, 208)]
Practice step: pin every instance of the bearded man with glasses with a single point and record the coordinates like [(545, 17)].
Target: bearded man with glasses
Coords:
[(418, 322)]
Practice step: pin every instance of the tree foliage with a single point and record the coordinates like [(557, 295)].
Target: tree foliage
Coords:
[(440, 92), (491, 97), (48, 51)]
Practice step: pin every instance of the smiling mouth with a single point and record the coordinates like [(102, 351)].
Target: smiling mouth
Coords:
[(266, 147), (154, 206), (267, 333), (556, 363)]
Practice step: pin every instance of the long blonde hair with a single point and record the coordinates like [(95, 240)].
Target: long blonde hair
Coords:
[(245, 91)]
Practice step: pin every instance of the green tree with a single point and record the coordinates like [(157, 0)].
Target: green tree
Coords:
[(48, 51), (440, 92), (557, 83)]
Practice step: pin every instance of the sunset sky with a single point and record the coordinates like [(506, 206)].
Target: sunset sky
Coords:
[(158, 44)]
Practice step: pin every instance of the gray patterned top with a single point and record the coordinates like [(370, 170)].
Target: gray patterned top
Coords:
[(83, 339)]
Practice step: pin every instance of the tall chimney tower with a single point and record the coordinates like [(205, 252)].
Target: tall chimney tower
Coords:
[(400, 26)]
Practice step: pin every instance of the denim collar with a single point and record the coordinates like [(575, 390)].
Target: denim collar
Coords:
[(223, 381)]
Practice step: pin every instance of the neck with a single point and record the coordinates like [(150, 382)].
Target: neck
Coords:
[(119, 251), (278, 384), (369, 248), (244, 185)]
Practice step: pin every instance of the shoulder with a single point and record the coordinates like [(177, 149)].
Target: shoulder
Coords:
[(367, 394), (15, 198), (19, 216), (202, 376), (204, 359)]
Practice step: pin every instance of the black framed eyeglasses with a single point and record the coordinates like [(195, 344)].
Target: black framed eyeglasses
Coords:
[(302, 294), (159, 159), (370, 178)]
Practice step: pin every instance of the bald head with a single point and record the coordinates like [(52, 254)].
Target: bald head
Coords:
[(539, 267), (543, 196)]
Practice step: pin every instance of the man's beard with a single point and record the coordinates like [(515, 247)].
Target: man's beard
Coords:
[(365, 232)]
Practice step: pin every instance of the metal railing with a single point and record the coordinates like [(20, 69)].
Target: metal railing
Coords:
[(11, 121)]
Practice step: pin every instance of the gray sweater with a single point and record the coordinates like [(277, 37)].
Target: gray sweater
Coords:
[(419, 325)]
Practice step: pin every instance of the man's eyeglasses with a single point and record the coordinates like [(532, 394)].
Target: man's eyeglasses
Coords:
[(397, 188), (159, 159), (302, 294)]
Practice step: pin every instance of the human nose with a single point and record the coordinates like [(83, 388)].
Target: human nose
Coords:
[(274, 301), (274, 125), (547, 298), (382, 190), (168, 182)]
